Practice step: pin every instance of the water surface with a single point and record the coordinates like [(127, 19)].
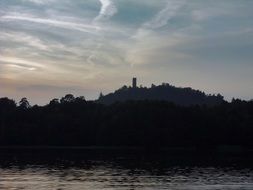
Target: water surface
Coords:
[(123, 173)]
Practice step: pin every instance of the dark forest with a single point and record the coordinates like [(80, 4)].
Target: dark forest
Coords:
[(73, 121)]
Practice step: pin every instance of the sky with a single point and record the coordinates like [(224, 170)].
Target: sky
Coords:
[(49, 48)]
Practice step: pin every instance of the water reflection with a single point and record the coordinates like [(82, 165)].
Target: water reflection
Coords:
[(124, 173)]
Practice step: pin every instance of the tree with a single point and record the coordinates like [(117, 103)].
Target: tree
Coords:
[(123, 88), (80, 99), (67, 98), (24, 104), (6, 104), (101, 95), (54, 101)]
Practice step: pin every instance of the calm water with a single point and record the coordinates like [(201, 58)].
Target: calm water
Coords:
[(120, 172)]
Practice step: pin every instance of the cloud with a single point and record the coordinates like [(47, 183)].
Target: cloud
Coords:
[(68, 43), (39, 2), (23, 38), (88, 28), (107, 10), (20, 63), (162, 18), (148, 39)]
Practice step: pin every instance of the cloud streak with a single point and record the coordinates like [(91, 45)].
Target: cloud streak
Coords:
[(39, 2), (107, 10), (20, 64), (162, 18), (23, 39), (88, 28)]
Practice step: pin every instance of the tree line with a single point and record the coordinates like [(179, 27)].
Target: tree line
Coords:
[(73, 121)]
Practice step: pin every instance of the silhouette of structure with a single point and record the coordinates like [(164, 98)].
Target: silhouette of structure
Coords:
[(164, 92), (134, 82)]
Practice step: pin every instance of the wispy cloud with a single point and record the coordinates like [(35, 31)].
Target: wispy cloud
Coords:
[(39, 2), (147, 39), (100, 44), (107, 10), (23, 38), (162, 18), (88, 28), (20, 63)]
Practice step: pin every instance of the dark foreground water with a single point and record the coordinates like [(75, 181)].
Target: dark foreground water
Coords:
[(29, 172)]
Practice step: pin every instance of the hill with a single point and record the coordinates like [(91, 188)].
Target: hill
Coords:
[(164, 92)]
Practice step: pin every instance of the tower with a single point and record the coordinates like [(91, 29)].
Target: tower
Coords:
[(134, 82)]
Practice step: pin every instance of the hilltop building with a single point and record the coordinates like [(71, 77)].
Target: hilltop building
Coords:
[(134, 83)]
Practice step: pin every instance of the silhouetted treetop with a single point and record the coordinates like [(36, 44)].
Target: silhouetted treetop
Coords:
[(54, 101), (7, 104), (67, 98), (24, 104)]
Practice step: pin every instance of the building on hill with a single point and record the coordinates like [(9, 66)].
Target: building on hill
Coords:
[(165, 92), (134, 83)]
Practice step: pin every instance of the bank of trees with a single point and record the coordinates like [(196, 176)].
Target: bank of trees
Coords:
[(73, 121)]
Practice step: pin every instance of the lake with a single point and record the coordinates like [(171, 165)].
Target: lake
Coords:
[(124, 172)]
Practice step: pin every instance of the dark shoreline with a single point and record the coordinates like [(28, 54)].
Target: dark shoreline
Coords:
[(221, 150), (134, 157)]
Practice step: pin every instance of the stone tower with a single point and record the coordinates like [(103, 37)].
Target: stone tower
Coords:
[(134, 82)]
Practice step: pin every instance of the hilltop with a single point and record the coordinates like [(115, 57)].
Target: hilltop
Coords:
[(164, 92)]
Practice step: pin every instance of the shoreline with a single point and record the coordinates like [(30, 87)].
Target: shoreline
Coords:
[(220, 150)]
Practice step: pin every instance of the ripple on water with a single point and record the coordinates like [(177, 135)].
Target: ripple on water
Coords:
[(109, 175)]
